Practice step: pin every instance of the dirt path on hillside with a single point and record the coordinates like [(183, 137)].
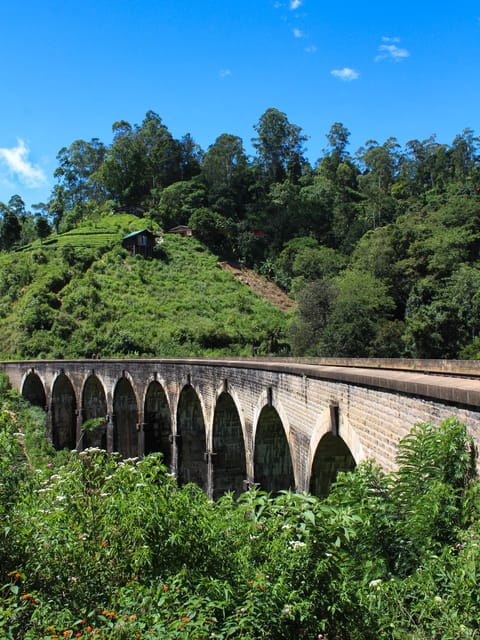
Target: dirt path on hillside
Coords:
[(262, 286)]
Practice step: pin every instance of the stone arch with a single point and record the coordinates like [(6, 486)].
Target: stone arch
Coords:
[(229, 460), (157, 426), (272, 460), (191, 439), (33, 390), (334, 447), (267, 399), (125, 417), (331, 457), (63, 413), (94, 405)]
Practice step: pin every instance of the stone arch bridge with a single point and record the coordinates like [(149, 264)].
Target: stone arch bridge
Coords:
[(227, 424)]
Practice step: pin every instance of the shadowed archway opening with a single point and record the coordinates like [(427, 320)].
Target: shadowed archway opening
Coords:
[(192, 466), (229, 464), (157, 427), (94, 405), (273, 469), (34, 391), (64, 418), (332, 455), (125, 415)]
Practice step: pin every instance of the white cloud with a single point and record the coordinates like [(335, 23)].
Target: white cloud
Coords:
[(224, 73), (346, 74), (298, 33), (294, 4), (19, 166), (311, 49), (391, 51)]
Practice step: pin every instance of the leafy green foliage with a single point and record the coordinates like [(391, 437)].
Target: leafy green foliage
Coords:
[(180, 303), (408, 217), (93, 546)]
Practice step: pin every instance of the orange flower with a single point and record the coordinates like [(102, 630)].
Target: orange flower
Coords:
[(104, 543), (111, 614), (186, 619), (78, 635), (26, 596), (250, 582), (35, 601), (67, 633), (17, 576), (104, 612), (132, 618), (165, 587), (89, 629)]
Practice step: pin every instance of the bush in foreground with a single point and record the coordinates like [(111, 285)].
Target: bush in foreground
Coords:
[(98, 547)]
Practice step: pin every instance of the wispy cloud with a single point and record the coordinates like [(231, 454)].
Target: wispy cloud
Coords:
[(311, 48), (295, 4), (298, 33), (224, 73), (346, 74), (19, 166), (390, 50)]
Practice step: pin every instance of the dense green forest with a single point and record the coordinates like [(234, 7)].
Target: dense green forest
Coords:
[(380, 249), (95, 547)]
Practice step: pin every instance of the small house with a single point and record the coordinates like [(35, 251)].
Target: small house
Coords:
[(181, 230), (139, 243)]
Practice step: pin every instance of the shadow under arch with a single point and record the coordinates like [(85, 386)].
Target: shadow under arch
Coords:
[(191, 439), (64, 410), (331, 457), (272, 461), (94, 405), (229, 461), (34, 391), (125, 416), (157, 428)]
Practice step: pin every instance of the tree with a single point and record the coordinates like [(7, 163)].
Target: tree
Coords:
[(124, 171), (361, 306), (141, 161), (17, 206), (192, 157), (279, 146), (178, 201), (10, 230), (77, 165), (42, 227), (225, 169), (314, 304), (163, 154), (380, 164), (212, 229)]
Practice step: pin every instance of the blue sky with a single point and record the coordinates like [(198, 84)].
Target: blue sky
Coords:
[(69, 69)]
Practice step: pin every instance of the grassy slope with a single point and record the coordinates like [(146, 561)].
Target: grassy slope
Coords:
[(80, 293)]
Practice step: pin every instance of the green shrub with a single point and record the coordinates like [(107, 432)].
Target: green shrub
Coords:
[(95, 546)]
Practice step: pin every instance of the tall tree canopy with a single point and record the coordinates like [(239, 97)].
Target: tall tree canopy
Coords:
[(279, 145)]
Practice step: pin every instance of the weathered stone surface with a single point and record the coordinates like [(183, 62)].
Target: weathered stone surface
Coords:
[(226, 424)]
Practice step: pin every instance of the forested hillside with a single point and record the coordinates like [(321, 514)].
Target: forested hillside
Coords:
[(379, 248), (81, 294)]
